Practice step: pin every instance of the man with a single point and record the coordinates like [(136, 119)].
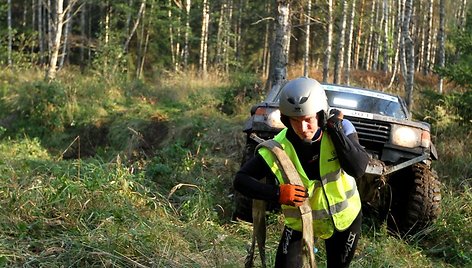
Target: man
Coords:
[(327, 155)]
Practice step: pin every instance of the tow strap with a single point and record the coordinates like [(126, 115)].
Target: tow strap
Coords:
[(290, 175)]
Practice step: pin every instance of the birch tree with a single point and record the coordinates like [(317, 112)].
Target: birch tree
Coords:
[(279, 48), (329, 41), (10, 34), (204, 38), (40, 32), (65, 46), (350, 30), (397, 58), (427, 39), (338, 64), (306, 56), (359, 36), (385, 41), (376, 37), (58, 20), (187, 31), (135, 26), (409, 54), (441, 41)]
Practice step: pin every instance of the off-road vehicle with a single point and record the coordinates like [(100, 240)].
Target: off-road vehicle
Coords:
[(399, 184)]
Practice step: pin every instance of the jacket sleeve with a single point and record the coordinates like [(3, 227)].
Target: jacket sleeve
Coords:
[(352, 156), (248, 180)]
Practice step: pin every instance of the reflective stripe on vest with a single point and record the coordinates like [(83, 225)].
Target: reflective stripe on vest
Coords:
[(334, 199)]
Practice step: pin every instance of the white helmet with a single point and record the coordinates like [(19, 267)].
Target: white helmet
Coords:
[(302, 97)]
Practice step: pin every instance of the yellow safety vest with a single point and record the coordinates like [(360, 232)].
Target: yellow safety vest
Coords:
[(334, 200)]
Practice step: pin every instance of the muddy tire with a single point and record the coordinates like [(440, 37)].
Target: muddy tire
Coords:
[(416, 199)]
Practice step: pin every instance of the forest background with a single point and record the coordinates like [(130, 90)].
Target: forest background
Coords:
[(121, 121)]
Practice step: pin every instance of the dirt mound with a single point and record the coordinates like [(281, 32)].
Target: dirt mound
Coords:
[(140, 141)]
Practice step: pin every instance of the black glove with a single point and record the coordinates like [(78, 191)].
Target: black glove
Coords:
[(335, 120)]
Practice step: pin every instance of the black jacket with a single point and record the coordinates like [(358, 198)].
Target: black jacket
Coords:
[(352, 157)]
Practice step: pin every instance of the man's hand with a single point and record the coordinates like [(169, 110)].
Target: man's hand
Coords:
[(335, 119), (292, 195)]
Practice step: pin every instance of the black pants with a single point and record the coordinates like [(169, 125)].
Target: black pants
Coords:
[(340, 247)]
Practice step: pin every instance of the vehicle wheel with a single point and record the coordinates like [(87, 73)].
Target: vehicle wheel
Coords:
[(416, 199)]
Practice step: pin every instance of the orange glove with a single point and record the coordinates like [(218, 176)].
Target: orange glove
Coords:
[(292, 195)]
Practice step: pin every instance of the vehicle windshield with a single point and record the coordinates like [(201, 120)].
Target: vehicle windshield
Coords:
[(364, 101)]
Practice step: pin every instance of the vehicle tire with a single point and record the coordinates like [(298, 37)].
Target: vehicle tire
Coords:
[(416, 199)]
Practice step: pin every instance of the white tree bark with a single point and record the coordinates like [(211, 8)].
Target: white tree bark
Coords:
[(359, 36), (68, 23), (367, 58), (58, 20), (135, 26), (376, 40), (409, 54), (338, 64), (204, 38), (385, 19), (279, 48), (10, 35), (329, 41), (347, 61), (187, 32), (40, 32), (306, 56), (397, 43), (427, 39), (441, 40)]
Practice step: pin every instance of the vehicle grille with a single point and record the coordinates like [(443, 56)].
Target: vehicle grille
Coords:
[(372, 134)]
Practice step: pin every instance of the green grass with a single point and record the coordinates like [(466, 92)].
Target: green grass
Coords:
[(155, 192)]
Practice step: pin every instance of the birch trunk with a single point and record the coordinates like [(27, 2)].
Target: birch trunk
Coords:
[(409, 54), (402, 58), (266, 50), (359, 36), (83, 37), (10, 35), (329, 41), (58, 20), (204, 38), (68, 22), (338, 64), (441, 41), (347, 62), (385, 15), (146, 42), (427, 39), (173, 48), (367, 55), (186, 52), (279, 48), (135, 25), (376, 39), (397, 43), (306, 56), (40, 32)]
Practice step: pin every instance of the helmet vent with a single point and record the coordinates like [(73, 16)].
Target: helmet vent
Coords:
[(291, 100), (303, 100)]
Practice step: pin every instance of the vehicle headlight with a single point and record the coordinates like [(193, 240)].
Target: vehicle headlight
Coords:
[(406, 136)]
